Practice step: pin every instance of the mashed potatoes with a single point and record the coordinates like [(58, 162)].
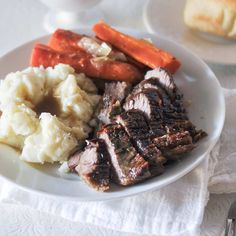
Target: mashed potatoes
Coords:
[(53, 141), (16, 123), (52, 134)]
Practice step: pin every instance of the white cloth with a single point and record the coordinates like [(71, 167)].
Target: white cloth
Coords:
[(174, 210), (224, 178)]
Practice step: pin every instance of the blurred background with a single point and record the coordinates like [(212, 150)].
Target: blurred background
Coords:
[(23, 20)]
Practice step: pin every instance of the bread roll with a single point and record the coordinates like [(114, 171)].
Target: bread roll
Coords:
[(212, 16)]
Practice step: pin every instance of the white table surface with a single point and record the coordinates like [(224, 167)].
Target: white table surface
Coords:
[(21, 20)]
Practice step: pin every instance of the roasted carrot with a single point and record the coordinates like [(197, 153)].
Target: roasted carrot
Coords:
[(65, 41), (83, 63), (136, 63), (138, 49), (68, 41)]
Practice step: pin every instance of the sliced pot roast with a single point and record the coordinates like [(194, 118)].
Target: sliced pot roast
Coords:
[(141, 129), (128, 166), (94, 165)]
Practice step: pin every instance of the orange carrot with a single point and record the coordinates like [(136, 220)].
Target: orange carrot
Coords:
[(65, 41), (140, 50), (68, 41), (83, 63)]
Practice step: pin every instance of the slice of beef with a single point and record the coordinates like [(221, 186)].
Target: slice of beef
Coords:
[(149, 102), (148, 83), (94, 165), (128, 167), (173, 140), (174, 144), (199, 134), (73, 161), (159, 113), (178, 125), (158, 97), (170, 115), (154, 83), (165, 80), (178, 151), (114, 95), (174, 126), (137, 128), (181, 125), (134, 123)]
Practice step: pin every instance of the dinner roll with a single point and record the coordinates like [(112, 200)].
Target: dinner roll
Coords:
[(212, 16)]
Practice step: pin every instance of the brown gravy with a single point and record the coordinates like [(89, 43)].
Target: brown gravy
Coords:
[(48, 104)]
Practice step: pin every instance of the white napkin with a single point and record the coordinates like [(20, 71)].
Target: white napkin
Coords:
[(224, 178), (174, 210)]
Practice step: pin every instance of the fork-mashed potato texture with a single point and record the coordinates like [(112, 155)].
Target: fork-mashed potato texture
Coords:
[(51, 135)]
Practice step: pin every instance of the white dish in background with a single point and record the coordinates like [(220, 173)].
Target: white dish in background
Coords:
[(70, 13), (166, 18), (198, 84)]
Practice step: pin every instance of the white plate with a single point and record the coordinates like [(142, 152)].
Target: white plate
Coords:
[(207, 111), (166, 18)]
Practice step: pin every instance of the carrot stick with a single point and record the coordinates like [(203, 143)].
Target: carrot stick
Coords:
[(65, 41), (83, 63), (140, 50), (68, 41)]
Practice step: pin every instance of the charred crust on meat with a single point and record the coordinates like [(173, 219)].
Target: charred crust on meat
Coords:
[(128, 166), (140, 133), (165, 80), (114, 95), (94, 165), (136, 126)]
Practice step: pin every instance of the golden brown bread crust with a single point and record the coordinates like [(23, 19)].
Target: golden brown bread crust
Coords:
[(212, 16)]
